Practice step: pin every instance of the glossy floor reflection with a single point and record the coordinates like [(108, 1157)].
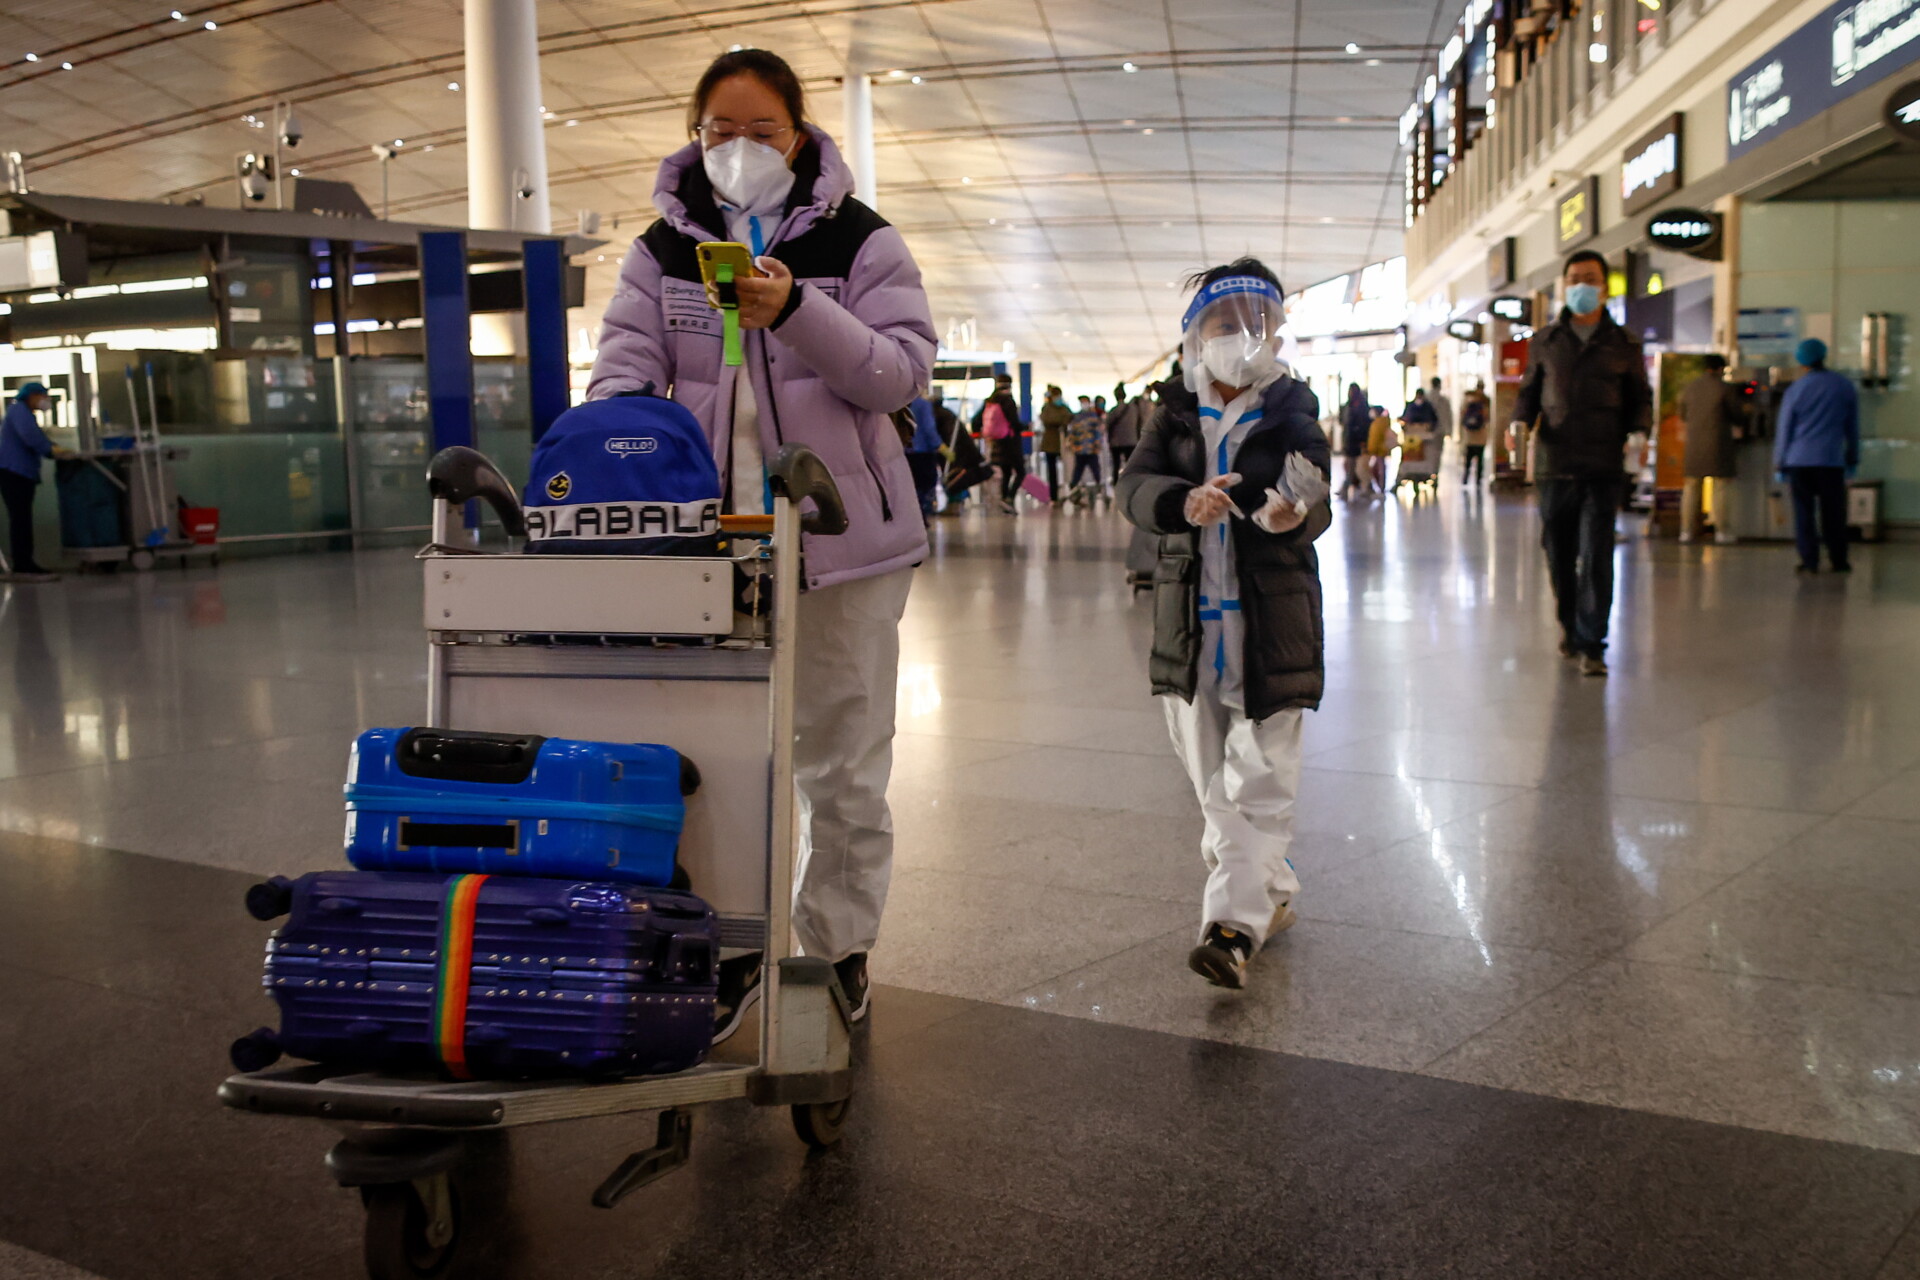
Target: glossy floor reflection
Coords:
[(1687, 891)]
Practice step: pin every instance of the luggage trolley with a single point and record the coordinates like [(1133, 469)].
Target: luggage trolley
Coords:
[(613, 648)]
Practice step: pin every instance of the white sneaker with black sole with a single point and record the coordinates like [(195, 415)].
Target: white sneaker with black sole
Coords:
[(739, 992)]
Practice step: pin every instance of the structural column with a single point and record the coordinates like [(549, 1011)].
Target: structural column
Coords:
[(856, 135), (506, 138)]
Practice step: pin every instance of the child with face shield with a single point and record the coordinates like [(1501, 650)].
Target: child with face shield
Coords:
[(1232, 474)]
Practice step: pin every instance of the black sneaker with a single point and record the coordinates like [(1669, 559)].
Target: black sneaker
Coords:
[(739, 992), (852, 973), (1222, 956)]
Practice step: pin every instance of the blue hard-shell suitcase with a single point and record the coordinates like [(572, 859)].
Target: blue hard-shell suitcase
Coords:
[(486, 977), (514, 804)]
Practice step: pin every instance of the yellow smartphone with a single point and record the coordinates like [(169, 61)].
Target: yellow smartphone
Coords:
[(716, 253)]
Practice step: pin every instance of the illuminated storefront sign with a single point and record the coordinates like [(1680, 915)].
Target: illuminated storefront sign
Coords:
[(1853, 44), (1513, 309), (1692, 231), (1903, 110), (1577, 214), (1650, 169)]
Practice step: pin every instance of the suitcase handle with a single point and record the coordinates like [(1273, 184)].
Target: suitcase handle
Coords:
[(693, 951), (457, 755)]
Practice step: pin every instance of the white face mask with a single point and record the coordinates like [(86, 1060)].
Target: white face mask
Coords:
[(1238, 359), (749, 175)]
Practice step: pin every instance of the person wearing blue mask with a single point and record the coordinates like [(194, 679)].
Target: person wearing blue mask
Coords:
[(1232, 475), (22, 445), (1816, 447), (1586, 388)]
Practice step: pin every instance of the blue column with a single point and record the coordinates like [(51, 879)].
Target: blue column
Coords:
[(1026, 390), (447, 319), (543, 268)]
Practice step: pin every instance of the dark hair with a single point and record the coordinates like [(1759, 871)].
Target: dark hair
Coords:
[(770, 69), (1584, 255), (1238, 267), (1716, 361)]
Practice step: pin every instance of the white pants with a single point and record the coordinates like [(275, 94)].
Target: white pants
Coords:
[(846, 668), (1718, 507), (1246, 776)]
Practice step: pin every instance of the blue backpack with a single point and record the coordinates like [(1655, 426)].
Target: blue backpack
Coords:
[(631, 475)]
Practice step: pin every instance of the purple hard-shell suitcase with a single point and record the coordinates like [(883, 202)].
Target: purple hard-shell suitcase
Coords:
[(515, 804), (567, 977)]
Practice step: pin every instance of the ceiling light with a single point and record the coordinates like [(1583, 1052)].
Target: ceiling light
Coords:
[(546, 114), (1343, 119), (211, 25), (735, 48), (177, 16), (572, 123), (897, 74), (453, 86), (1352, 48), (294, 172), (1326, 219), (33, 57), (1166, 224), (966, 182), (916, 79), (1146, 131), (1129, 123), (1129, 66), (427, 148), (993, 222), (66, 66), (1373, 62), (399, 142)]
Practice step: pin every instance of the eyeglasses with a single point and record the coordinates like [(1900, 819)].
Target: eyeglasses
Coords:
[(715, 132)]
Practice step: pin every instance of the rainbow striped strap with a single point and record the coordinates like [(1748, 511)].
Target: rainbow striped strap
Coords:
[(454, 979)]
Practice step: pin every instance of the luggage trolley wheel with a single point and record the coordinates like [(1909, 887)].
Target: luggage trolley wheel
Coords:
[(413, 1228), (819, 1124)]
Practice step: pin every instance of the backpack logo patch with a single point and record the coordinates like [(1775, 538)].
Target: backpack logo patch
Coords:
[(626, 446), (559, 486)]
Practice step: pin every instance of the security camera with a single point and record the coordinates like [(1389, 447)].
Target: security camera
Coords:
[(525, 192), (290, 131), (254, 172), (384, 152)]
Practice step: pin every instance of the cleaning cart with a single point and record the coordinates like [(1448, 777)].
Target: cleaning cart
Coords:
[(610, 648)]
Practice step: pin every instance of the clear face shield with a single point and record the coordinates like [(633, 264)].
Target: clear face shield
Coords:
[(1233, 333)]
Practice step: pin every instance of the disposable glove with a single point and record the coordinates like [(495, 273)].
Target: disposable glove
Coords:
[(1208, 503), (1301, 488)]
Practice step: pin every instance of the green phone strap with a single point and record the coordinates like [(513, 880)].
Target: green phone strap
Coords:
[(732, 355)]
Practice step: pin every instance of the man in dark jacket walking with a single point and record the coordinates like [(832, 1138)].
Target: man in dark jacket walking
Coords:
[(1586, 388), (1712, 412), (1232, 474)]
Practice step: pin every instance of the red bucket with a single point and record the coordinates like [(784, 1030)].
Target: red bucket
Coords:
[(201, 525)]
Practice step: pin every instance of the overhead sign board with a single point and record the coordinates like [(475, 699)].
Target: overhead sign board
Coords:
[(1851, 45), (1500, 263), (1902, 112), (1465, 330), (1577, 214), (1691, 231), (1650, 168), (1768, 331), (1513, 309)]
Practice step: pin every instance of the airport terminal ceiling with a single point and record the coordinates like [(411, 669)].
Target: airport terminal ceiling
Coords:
[(1057, 165)]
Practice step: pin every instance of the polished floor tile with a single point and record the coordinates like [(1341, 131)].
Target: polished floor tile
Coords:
[(1824, 1062), (1370, 996)]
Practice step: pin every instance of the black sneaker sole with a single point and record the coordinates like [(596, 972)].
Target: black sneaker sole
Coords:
[(724, 1031), (1217, 967)]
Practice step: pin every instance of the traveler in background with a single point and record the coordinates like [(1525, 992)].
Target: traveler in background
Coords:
[(1232, 474), (1124, 424), (1713, 413), (1085, 435), (1419, 441), (828, 357), (923, 454), (1054, 416), (1586, 388), (1381, 442), (1475, 414), (1356, 422), (1419, 416), (1442, 410), (1001, 427), (1816, 446), (22, 446)]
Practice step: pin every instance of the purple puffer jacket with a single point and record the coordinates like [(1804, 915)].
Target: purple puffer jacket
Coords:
[(855, 344)]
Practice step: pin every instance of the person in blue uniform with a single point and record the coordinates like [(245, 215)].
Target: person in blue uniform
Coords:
[(1816, 447), (22, 446)]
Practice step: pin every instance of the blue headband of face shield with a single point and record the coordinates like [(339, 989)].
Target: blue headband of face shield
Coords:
[(1226, 287)]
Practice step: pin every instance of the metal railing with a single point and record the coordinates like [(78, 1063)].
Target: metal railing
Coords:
[(1558, 93)]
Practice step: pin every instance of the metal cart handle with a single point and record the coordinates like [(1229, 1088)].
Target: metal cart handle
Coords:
[(797, 474), (458, 474)]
